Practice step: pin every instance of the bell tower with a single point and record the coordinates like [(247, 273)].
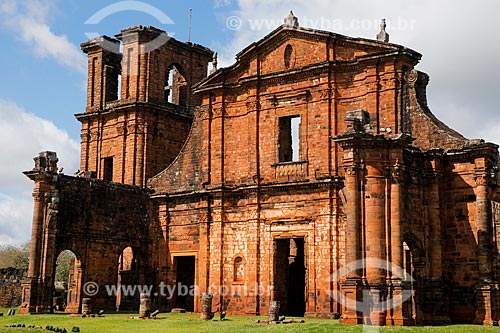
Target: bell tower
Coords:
[(139, 103)]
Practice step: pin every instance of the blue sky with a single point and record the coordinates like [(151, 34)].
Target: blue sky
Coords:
[(43, 75), (54, 91)]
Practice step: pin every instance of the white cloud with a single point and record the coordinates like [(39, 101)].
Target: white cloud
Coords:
[(458, 43), (15, 219), (23, 136), (29, 20), (222, 3)]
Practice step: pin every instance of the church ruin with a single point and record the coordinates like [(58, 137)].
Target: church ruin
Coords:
[(265, 179)]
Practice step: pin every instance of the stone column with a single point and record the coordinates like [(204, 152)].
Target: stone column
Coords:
[(36, 289), (351, 288), (400, 313), (375, 248), (36, 234), (86, 306), (483, 226), (145, 306), (353, 210), (31, 287), (486, 291), (206, 307), (274, 311)]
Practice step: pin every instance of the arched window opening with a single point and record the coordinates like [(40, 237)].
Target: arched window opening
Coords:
[(127, 260), (288, 56), (238, 269), (176, 86)]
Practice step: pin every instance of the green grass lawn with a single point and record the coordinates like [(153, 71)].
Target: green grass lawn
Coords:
[(170, 322)]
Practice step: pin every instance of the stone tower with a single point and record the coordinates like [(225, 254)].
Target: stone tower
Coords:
[(139, 103)]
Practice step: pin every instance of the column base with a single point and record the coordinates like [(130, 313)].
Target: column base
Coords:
[(487, 305), (352, 294), (399, 303)]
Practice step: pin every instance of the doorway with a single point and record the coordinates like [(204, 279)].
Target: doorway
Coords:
[(290, 276), (185, 273)]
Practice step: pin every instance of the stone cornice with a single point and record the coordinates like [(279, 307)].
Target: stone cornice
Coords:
[(270, 187), (124, 106), (469, 153), (339, 66), (366, 140)]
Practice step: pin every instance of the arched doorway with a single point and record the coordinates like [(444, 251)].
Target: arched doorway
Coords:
[(413, 264), (410, 273), (66, 294), (127, 280)]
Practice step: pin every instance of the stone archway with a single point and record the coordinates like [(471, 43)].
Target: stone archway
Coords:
[(94, 222), (413, 263)]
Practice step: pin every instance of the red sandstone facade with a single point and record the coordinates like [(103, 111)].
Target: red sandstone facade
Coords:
[(312, 152)]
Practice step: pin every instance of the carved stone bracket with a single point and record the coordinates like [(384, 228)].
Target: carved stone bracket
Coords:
[(253, 105), (359, 169), (219, 111), (202, 112), (482, 179), (94, 135), (411, 77), (326, 93), (395, 172)]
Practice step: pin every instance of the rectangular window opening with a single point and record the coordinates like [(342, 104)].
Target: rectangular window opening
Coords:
[(92, 82), (108, 169), (119, 94), (289, 139)]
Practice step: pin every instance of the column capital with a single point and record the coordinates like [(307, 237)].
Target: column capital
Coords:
[(354, 168), (38, 195), (482, 178), (395, 172)]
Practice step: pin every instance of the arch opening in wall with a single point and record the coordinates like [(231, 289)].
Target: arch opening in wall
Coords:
[(67, 285), (413, 257), (176, 86), (238, 269), (127, 276)]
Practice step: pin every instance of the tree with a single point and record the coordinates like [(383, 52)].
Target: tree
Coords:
[(63, 264), (15, 256), (23, 258)]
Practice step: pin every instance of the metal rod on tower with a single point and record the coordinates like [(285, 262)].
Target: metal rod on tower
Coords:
[(190, 23)]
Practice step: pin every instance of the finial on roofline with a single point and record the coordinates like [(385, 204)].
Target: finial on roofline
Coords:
[(291, 21), (214, 63), (383, 36)]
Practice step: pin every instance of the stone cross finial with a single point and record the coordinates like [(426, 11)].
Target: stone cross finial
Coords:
[(214, 63), (383, 36), (291, 21)]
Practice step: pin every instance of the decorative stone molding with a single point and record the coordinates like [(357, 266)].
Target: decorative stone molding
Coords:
[(291, 170), (482, 179), (253, 105), (411, 77)]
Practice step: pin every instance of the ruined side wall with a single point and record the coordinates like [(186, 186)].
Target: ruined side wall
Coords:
[(429, 132), (10, 286), (188, 171), (450, 248), (97, 220)]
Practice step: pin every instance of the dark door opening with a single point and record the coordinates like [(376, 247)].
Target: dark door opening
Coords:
[(290, 276), (185, 267)]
